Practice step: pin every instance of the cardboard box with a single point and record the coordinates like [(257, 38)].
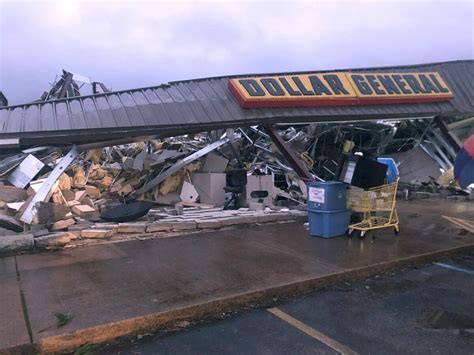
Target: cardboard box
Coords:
[(210, 187)]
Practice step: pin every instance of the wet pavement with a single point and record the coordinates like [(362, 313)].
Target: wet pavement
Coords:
[(429, 310), (202, 274)]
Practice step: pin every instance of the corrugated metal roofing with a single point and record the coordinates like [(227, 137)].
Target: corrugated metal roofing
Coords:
[(202, 104)]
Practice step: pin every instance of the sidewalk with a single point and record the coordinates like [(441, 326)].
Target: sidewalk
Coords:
[(117, 289)]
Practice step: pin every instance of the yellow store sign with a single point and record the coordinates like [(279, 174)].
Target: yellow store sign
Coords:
[(339, 89)]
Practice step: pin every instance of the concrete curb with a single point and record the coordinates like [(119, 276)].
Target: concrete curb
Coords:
[(264, 297)]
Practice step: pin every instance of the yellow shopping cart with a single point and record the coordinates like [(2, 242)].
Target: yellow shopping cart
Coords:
[(378, 206)]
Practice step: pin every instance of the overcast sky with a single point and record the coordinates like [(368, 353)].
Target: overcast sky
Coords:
[(128, 44)]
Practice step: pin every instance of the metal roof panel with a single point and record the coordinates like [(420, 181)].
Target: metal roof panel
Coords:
[(208, 103)]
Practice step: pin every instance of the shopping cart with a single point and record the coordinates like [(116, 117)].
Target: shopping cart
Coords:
[(378, 206)]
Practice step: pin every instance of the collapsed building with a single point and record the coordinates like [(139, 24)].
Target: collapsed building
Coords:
[(208, 153)]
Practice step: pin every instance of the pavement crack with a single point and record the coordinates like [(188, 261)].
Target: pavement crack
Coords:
[(23, 302)]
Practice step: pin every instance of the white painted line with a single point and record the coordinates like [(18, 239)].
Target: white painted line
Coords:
[(333, 344), (455, 268)]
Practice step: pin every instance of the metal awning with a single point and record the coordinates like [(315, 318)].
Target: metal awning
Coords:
[(204, 104)]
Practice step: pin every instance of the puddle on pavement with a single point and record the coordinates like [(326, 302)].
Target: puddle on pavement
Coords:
[(439, 319)]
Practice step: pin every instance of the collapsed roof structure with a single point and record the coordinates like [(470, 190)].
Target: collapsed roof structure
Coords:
[(283, 128), (207, 104)]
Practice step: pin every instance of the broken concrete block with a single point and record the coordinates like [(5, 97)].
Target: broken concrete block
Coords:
[(136, 227), (92, 191), (68, 195), (159, 227), (64, 182), (58, 197), (209, 223), (267, 217), (96, 172), (54, 240), (12, 194), (17, 242), (106, 225), (77, 228), (87, 201), (97, 233), (79, 177), (83, 211), (41, 231), (4, 231), (106, 182), (184, 225), (51, 212), (73, 203), (256, 206), (112, 229), (63, 224), (79, 195)]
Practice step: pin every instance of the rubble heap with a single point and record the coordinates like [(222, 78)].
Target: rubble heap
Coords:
[(50, 197)]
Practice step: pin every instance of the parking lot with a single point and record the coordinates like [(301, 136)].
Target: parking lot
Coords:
[(425, 310)]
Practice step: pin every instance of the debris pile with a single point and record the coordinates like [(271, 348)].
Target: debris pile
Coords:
[(136, 187), (50, 197)]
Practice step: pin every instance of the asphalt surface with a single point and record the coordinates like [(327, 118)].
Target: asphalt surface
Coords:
[(412, 311)]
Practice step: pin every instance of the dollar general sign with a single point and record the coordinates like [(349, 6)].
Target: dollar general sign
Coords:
[(339, 89)]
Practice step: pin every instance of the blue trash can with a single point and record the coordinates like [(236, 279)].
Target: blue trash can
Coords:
[(328, 215)]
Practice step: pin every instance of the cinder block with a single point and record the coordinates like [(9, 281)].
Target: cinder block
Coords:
[(54, 240), (209, 223), (159, 227), (256, 206), (16, 242), (266, 218), (136, 227), (83, 211), (97, 233), (184, 225), (63, 224)]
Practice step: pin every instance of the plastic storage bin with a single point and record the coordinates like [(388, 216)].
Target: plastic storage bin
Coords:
[(327, 196), (392, 170), (328, 215), (328, 224)]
